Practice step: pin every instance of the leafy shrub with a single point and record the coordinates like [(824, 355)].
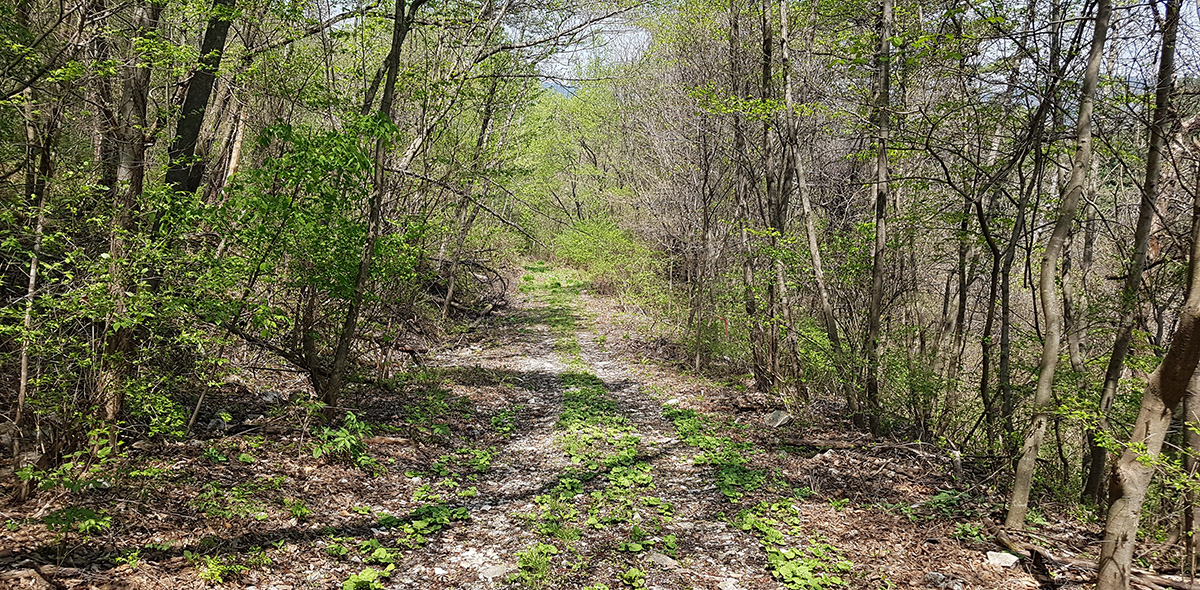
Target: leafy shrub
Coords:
[(368, 579), (973, 533), (345, 444), (615, 260), (533, 565), (634, 578), (84, 521), (221, 569), (297, 508)]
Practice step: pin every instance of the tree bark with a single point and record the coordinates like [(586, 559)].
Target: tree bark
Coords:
[(1127, 301), (1168, 384), (879, 192), (184, 173), (1051, 305)]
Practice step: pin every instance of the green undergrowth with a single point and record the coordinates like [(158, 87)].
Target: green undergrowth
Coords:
[(609, 485), (728, 457), (796, 560), (244, 500), (414, 531)]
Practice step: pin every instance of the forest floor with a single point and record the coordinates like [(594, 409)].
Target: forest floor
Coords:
[(548, 449)]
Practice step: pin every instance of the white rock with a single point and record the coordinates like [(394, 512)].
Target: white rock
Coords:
[(664, 560), (999, 559), (728, 584), (492, 572), (777, 418), (437, 571)]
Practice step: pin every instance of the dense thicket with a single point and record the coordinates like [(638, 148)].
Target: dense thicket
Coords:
[(971, 223)]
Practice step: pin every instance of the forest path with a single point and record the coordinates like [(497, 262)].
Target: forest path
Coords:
[(647, 477), (554, 446), (642, 505)]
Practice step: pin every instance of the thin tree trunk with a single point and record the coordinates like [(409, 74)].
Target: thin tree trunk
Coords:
[(184, 174), (1168, 384), (776, 198), (1007, 400), (131, 143), (1127, 300), (235, 150), (404, 14), (742, 186), (1051, 306), (954, 362), (43, 171), (985, 347), (879, 191), (467, 212)]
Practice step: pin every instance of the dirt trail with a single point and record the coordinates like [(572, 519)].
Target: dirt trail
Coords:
[(826, 491), (545, 451), (710, 552)]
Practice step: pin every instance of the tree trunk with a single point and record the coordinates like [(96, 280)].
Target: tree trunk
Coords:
[(332, 391), (777, 204), (1191, 517), (1127, 301), (43, 171), (466, 209), (1051, 305), (985, 348), (184, 174), (954, 355), (1007, 399), (1133, 470), (742, 186), (879, 191), (1168, 384), (131, 143)]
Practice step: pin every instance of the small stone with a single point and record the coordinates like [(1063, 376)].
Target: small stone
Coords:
[(437, 571), (664, 560), (728, 584), (999, 559), (493, 572), (272, 396), (939, 580), (778, 418)]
